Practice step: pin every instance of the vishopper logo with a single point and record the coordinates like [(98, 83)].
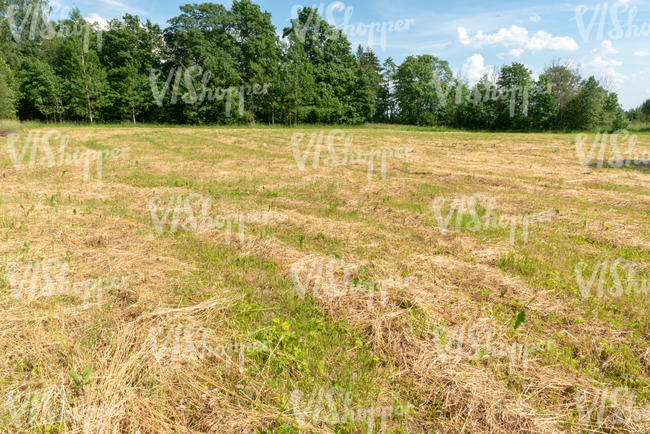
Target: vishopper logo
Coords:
[(518, 97), (39, 148), (623, 274), (616, 21), (330, 278), (334, 406), (49, 277), (475, 341), (34, 408), (50, 406), (33, 20), (339, 17), (196, 82), (346, 156), (179, 213), (477, 213), (609, 407), (612, 146), (192, 342)]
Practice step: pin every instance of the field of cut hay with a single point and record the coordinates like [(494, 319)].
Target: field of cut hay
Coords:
[(310, 280)]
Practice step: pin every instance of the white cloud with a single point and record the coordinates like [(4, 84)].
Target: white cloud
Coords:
[(616, 77), (99, 20), (518, 36), (600, 63), (606, 48), (463, 37), (535, 18), (516, 52), (474, 68), (121, 7), (545, 41), (604, 66), (642, 53), (606, 69)]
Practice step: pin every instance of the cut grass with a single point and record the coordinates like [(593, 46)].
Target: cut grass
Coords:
[(384, 356)]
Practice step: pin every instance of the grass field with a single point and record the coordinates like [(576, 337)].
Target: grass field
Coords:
[(199, 281)]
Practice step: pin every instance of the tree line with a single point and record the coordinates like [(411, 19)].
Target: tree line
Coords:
[(212, 64), (641, 113)]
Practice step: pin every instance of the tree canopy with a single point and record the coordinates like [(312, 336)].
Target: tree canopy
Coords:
[(214, 64)]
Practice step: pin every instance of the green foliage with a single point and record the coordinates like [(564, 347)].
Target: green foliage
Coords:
[(370, 77), (129, 52), (258, 54), (135, 71), (544, 109), (386, 109), (586, 110), (422, 85), (521, 317), (516, 82), (40, 91), (7, 98), (322, 73), (644, 111), (83, 76), (564, 84), (81, 380)]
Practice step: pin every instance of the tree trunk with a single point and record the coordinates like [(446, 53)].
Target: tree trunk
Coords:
[(83, 69), (90, 110)]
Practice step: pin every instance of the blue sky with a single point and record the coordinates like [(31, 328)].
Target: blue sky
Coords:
[(609, 39)]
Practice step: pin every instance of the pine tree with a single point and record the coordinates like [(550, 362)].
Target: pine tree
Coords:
[(386, 104)]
